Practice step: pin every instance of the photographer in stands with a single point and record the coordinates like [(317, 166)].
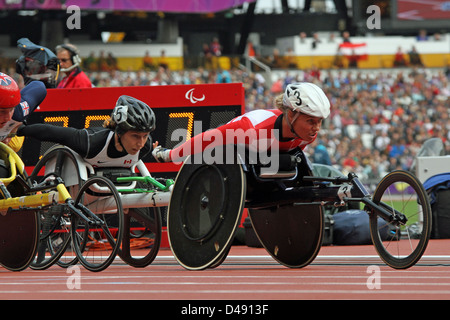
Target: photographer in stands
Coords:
[(39, 68)]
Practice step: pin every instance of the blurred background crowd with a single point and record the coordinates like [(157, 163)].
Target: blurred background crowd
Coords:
[(379, 119)]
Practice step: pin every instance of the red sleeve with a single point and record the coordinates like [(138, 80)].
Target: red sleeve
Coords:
[(222, 135)]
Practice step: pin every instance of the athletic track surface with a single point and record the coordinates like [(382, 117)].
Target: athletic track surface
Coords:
[(339, 272)]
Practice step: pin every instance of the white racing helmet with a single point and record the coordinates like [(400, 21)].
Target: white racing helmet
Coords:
[(307, 98)]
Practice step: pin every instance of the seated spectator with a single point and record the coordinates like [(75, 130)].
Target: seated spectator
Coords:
[(275, 59), (414, 58), (315, 41), (111, 61), (223, 76), (399, 58), (302, 36), (163, 63), (90, 63), (147, 61), (353, 60), (101, 62), (346, 37), (206, 56), (338, 61), (321, 155), (422, 36), (216, 48), (290, 59)]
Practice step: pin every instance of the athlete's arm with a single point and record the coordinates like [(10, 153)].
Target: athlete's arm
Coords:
[(31, 97), (75, 139), (223, 135)]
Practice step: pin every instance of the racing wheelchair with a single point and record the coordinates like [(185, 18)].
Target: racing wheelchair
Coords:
[(286, 210), (141, 197), (24, 200)]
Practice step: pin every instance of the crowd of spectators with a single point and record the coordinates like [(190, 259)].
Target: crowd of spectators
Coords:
[(379, 119)]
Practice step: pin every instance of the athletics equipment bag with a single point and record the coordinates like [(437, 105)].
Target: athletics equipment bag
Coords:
[(352, 227), (438, 187)]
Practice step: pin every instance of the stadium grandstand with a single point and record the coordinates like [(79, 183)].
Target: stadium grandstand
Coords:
[(384, 64)]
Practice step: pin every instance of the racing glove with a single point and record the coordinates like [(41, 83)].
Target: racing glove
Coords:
[(161, 154)]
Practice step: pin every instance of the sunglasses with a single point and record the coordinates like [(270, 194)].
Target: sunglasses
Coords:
[(64, 60)]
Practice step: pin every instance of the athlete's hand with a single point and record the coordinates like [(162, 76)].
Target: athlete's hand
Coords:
[(160, 154)]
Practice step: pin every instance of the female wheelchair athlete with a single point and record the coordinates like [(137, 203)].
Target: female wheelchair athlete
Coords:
[(286, 211), (119, 144), (23, 202), (140, 196)]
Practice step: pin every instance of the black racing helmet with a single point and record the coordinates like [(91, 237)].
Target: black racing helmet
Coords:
[(133, 114)]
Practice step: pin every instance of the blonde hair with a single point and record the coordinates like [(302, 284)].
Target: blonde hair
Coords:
[(278, 102)]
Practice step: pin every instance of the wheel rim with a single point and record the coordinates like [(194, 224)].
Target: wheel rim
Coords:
[(54, 247), (96, 246), (401, 245)]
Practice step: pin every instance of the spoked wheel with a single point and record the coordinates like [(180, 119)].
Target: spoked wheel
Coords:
[(401, 245), (55, 221), (97, 241), (54, 239), (142, 236)]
